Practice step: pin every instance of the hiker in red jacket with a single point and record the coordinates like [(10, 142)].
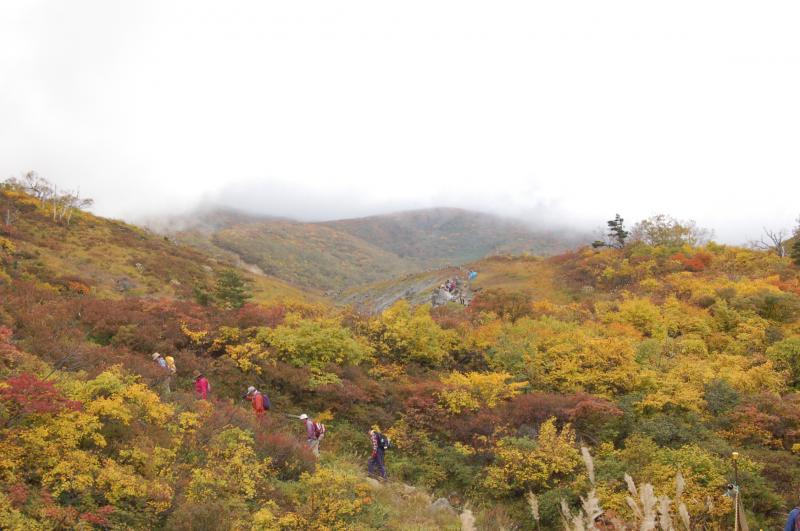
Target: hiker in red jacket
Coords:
[(259, 401), (201, 385), (314, 432)]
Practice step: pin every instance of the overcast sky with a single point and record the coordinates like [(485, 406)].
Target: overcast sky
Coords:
[(318, 109)]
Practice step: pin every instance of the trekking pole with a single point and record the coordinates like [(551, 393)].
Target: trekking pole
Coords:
[(58, 365), (739, 516)]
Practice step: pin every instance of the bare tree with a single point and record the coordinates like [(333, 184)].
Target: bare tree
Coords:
[(772, 241), (37, 186), (10, 214), (61, 205), (71, 202)]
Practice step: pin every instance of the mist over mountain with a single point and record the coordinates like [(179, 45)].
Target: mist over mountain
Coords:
[(344, 253)]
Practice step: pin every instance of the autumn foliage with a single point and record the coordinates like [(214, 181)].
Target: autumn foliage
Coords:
[(661, 357)]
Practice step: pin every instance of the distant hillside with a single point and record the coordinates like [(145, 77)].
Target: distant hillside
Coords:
[(444, 236), (340, 254), (310, 254), (114, 259)]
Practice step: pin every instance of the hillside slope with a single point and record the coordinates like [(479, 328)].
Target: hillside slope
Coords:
[(658, 360), (115, 259), (446, 236), (340, 254), (310, 254)]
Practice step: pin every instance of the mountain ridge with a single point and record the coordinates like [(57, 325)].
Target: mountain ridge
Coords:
[(340, 254)]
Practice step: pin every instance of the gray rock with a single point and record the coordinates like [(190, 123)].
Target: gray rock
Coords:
[(440, 297), (374, 483), (442, 504), (408, 489), (124, 284)]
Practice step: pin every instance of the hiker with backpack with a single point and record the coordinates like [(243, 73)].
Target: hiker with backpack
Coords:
[(162, 363), (793, 522), (315, 431), (259, 401), (201, 385), (380, 443)]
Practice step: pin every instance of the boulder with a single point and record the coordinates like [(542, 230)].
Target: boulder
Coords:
[(442, 504), (440, 297), (374, 483)]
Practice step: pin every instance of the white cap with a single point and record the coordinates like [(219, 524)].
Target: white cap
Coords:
[(303, 416), (156, 355), (251, 389)]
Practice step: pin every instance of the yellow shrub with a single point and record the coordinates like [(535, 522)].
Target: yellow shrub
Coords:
[(474, 390)]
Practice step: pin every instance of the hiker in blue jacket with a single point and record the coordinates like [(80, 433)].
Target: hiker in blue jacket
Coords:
[(791, 525)]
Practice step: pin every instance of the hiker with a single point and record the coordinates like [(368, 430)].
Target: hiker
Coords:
[(792, 522), (473, 275), (259, 400), (161, 361), (163, 364), (170, 361), (201, 385), (379, 445), (315, 432)]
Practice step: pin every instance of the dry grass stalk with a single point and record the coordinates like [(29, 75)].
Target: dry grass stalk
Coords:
[(648, 507), (680, 484), (684, 513), (591, 508), (664, 518), (650, 513), (631, 486), (533, 503)]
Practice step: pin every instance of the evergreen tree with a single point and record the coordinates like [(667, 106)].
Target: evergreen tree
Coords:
[(202, 296), (794, 253), (796, 250), (232, 291), (616, 232), (616, 235)]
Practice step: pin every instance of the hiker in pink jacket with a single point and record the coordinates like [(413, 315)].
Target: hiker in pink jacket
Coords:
[(201, 385)]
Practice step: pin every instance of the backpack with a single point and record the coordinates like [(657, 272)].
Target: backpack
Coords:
[(170, 361), (319, 430), (796, 525), (383, 441)]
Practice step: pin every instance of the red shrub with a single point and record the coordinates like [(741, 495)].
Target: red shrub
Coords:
[(450, 316), (17, 494), (581, 409), (289, 456), (98, 517), (251, 315), (5, 334), (26, 394), (510, 305), (695, 263)]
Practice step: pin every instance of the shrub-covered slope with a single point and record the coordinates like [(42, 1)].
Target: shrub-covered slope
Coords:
[(112, 258), (658, 361)]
